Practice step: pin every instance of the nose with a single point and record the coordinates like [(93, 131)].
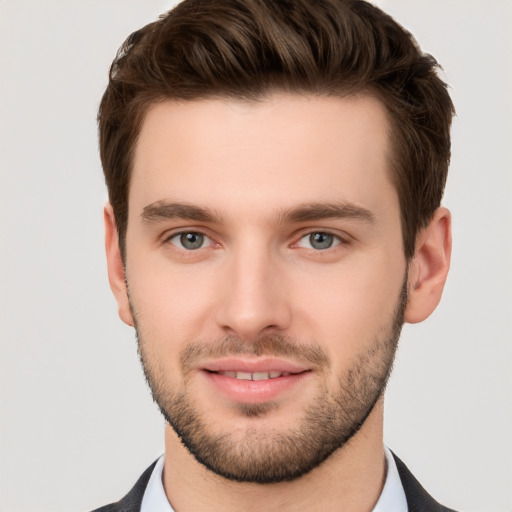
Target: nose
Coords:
[(253, 299)]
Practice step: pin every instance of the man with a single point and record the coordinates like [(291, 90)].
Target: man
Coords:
[(275, 171)]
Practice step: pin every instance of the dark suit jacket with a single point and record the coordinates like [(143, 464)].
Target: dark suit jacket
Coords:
[(418, 500)]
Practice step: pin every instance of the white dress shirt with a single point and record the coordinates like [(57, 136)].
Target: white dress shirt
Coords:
[(392, 497)]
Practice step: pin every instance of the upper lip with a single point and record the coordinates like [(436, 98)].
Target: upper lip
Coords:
[(253, 365)]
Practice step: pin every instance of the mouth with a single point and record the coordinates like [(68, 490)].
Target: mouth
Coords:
[(249, 381), (253, 376)]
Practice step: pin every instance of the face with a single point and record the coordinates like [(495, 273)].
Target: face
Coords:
[(266, 275)]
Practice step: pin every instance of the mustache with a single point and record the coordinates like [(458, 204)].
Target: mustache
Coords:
[(274, 345)]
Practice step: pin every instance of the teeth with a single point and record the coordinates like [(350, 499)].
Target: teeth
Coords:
[(254, 376)]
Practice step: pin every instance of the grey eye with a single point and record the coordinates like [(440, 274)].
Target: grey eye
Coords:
[(319, 241), (189, 240)]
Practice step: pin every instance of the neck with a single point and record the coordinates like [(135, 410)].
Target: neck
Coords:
[(350, 479)]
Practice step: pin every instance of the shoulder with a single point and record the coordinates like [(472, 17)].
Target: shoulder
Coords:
[(132, 501), (418, 499)]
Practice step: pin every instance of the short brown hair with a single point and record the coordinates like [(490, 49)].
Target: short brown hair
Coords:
[(248, 48)]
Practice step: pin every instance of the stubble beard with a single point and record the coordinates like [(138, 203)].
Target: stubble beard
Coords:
[(266, 456)]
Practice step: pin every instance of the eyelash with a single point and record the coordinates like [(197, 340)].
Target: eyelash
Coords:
[(180, 236), (334, 239), (332, 242)]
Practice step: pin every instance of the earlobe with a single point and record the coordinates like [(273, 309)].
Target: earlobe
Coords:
[(116, 271), (429, 267)]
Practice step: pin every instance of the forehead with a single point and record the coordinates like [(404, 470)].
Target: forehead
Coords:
[(257, 155)]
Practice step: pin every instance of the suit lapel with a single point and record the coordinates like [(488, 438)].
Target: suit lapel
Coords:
[(133, 500), (418, 499)]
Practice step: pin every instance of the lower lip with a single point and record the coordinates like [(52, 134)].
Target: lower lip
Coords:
[(254, 391)]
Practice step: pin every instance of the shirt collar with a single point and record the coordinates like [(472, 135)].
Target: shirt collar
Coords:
[(392, 497), (155, 499)]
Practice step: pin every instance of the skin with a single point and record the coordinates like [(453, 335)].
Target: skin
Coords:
[(249, 164)]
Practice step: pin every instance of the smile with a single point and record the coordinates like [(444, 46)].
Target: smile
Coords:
[(254, 376), (254, 381)]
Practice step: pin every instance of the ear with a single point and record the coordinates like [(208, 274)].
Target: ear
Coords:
[(429, 267), (116, 273)]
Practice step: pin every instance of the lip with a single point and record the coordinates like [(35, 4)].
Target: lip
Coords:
[(254, 391), (254, 365)]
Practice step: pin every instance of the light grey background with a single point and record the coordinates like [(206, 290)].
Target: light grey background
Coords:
[(77, 422)]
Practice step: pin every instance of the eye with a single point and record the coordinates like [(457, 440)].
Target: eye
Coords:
[(190, 240), (319, 240)]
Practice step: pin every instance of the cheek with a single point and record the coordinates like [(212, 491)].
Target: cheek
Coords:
[(170, 304), (350, 307)]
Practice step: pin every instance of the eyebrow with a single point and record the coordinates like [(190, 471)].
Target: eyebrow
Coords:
[(320, 211), (165, 210)]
